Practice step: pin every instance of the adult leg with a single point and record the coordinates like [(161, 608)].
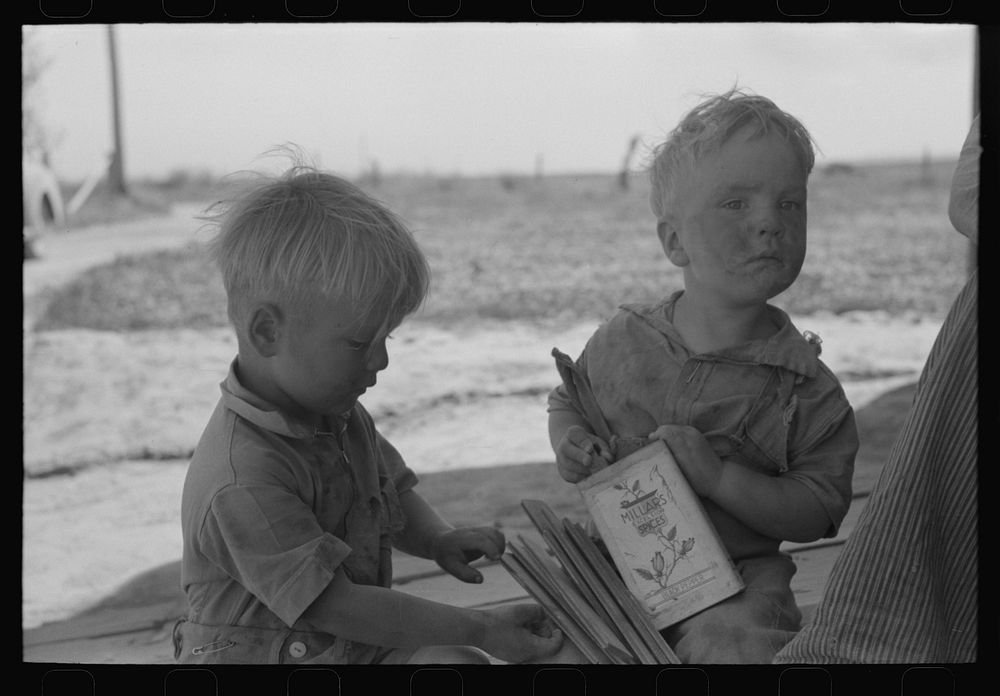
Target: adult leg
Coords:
[(904, 588)]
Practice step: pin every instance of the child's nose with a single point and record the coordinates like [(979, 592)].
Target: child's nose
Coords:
[(378, 358), (769, 224)]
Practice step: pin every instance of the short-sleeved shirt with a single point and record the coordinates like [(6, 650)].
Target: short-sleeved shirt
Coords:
[(272, 507), (769, 404)]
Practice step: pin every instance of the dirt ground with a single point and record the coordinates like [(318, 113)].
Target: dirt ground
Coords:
[(110, 418)]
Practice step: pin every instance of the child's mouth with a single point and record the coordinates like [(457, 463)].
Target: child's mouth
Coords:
[(363, 389)]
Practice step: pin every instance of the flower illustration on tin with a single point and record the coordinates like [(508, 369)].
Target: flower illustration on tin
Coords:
[(660, 569), (635, 491)]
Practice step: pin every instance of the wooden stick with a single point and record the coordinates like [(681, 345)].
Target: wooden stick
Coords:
[(599, 574), (581, 582), (558, 597), (616, 586), (620, 595), (587, 613), (610, 608), (596, 593), (569, 627), (547, 572), (557, 545), (629, 604)]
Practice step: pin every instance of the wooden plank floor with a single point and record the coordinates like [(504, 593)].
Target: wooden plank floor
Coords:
[(128, 630)]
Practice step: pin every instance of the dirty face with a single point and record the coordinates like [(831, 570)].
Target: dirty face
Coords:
[(739, 227), (328, 359)]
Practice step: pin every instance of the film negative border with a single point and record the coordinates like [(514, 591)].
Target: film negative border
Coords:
[(101, 11)]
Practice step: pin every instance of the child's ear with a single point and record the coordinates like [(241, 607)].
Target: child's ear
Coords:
[(264, 326), (670, 240)]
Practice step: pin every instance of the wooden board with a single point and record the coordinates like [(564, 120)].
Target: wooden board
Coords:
[(141, 647), (571, 628), (610, 640), (588, 575), (626, 601), (555, 536), (598, 596), (497, 587)]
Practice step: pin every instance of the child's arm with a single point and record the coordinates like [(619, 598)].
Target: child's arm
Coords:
[(381, 616), (578, 451), (427, 535), (778, 507)]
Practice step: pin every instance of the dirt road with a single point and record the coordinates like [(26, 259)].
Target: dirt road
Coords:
[(62, 255)]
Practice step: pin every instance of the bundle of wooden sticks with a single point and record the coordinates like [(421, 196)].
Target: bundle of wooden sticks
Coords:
[(582, 593)]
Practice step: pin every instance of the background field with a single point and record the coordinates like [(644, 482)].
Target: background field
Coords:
[(561, 250)]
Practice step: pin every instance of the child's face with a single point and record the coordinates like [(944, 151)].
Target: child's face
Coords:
[(327, 359), (739, 226)]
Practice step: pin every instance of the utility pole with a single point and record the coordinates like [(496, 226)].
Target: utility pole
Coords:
[(116, 173), (623, 174)]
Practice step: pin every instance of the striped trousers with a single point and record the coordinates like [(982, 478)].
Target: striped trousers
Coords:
[(904, 589)]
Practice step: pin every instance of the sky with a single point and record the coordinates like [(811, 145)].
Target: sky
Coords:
[(482, 98)]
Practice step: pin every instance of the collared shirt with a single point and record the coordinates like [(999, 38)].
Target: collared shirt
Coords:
[(272, 507), (769, 404)]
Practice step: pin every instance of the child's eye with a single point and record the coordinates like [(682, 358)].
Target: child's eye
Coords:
[(791, 205), (733, 205), (362, 345)]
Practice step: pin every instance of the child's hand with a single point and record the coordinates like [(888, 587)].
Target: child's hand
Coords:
[(696, 458), (520, 633), (456, 548), (580, 454)]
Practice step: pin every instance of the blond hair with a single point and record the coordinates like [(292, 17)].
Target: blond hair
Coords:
[(305, 232), (707, 127)]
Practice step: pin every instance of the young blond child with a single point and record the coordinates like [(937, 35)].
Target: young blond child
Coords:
[(293, 500), (759, 425)]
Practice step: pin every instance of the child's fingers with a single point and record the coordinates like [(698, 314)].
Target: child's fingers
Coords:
[(679, 438), (572, 470), (461, 570), (603, 448), (596, 458), (599, 461), (547, 645), (589, 446), (491, 543), (541, 627), (663, 432), (582, 452), (528, 614), (545, 636), (581, 439), (596, 451)]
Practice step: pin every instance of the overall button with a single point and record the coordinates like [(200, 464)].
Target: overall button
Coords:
[(297, 649)]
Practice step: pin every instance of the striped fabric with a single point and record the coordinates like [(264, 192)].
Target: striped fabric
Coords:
[(904, 589)]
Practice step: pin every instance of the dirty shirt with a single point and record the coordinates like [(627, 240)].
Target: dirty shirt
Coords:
[(769, 404), (272, 508)]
